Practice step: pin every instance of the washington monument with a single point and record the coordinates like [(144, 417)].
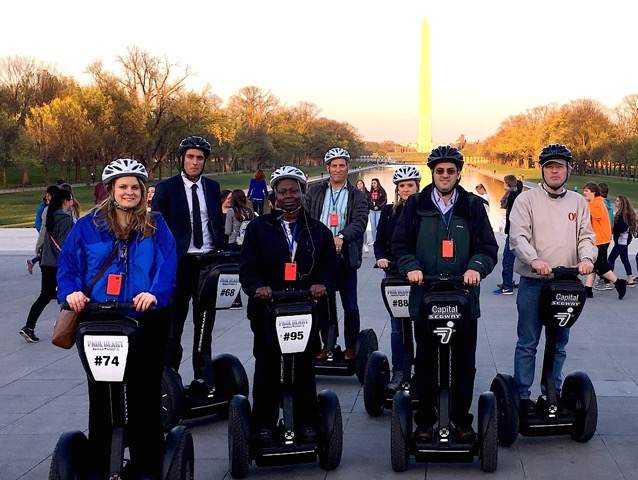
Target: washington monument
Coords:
[(424, 140)]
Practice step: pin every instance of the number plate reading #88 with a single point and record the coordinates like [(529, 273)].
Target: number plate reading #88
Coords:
[(293, 332), (106, 355), (397, 298), (227, 289)]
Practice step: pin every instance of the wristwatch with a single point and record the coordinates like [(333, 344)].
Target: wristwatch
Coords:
[(340, 235)]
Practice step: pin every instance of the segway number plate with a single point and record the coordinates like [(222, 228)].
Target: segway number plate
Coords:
[(227, 289), (397, 300), (293, 332), (106, 356)]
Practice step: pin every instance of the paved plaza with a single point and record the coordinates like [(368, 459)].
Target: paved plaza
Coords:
[(43, 388)]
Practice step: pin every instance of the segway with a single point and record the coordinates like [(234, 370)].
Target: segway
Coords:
[(223, 376), (444, 311), (395, 290), (291, 323), (103, 343), (334, 363), (561, 302)]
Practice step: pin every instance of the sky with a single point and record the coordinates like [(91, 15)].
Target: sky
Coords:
[(357, 60)]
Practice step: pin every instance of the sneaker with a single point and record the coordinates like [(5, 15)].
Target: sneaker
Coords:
[(423, 435), (503, 291), (366, 249), (621, 288), (514, 285), (601, 285), (29, 335), (30, 267), (527, 407), (395, 383)]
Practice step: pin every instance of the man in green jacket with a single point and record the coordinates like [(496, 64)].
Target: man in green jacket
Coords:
[(444, 230)]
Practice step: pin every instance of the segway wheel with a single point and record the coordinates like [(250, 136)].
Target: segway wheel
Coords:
[(504, 390), (580, 396), (178, 462), (230, 378), (400, 431), (376, 379), (331, 434), (172, 398), (239, 436), (366, 344), (488, 428), (68, 457)]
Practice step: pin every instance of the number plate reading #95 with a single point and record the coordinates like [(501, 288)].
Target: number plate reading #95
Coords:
[(293, 332), (106, 355)]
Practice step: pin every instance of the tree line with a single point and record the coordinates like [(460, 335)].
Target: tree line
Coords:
[(49, 121)]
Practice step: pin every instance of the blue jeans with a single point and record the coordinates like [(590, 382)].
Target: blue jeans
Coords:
[(529, 334), (508, 265), (622, 252), (374, 221), (396, 344)]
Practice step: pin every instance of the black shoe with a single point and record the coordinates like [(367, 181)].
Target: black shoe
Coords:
[(423, 435), (621, 288), (308, 435), (29, 335), (465, 434), (563, 408), (395, 383), (264, 437), (527, 407)]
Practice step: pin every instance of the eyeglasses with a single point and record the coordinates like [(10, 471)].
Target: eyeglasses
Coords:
[(441, 171)]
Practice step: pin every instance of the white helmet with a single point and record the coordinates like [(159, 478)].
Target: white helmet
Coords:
[(406, 172), (123, 167), (336, 152), (287, 172)]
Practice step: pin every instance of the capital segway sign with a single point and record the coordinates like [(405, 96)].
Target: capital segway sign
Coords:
[(106, 356), (293, 332)]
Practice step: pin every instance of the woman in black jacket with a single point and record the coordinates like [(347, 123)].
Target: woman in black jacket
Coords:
[(286, 236)]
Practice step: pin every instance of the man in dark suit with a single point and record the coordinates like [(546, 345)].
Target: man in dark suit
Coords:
[(191, 206)]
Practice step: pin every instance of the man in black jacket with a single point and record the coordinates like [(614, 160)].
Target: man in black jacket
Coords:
[(191, 206)]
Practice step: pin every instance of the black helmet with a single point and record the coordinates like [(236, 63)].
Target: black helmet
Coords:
[(554, 151), (445, 153), (194, 142)]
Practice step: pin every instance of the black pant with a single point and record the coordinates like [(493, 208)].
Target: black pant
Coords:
[(144, 434), (48, 292), (463, 346), (188, 270), (267, 390), (346, 279)]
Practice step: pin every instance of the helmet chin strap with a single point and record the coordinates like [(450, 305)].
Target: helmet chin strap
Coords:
[(117, 205), (447, 192), (556, 190)]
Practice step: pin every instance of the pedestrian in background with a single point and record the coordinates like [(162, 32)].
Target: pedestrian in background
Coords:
[(376, 201), (258, 191), (624, 229), (482, 192), (40, 218), (514, 188)]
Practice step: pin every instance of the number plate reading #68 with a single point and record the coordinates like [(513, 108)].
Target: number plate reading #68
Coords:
[(106, 355), (293, 332), (397, 298), (227, 289)]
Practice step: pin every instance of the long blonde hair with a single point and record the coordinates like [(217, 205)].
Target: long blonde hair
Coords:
[(138, 219)]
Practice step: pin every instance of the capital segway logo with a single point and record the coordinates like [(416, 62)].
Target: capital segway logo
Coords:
[(445, 333), (564, 317), (447, 312), (566, 300)]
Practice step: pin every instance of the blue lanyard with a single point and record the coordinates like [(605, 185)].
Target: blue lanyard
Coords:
[(291, 242), (332, 198), (447, 217)]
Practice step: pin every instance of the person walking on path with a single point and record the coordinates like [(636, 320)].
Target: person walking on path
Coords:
[(344, 210), (549, 227), (602, 228), (603, 283), (444, 230), (482, 192), (624, 229), (40, 218), (191, 205), (361, 185), (407, 180), (514, 188), (58, 224), (146, 263), (258, 191), (377, 199)]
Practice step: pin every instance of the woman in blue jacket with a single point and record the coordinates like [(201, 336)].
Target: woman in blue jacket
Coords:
[(147, 263), (258, 192)]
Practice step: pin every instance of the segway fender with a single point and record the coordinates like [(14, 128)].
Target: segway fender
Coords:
[(402, 405), (486, 403), (328, 404)]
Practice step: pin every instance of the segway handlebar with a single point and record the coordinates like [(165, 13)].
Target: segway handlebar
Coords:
[(443, 277), (559, 270), (281, 294), (106, 306)]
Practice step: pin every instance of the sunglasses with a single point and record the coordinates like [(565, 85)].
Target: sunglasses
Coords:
[(441, 171)]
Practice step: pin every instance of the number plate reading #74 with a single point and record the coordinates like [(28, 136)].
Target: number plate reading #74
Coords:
[(293, 332), (106, 355)]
